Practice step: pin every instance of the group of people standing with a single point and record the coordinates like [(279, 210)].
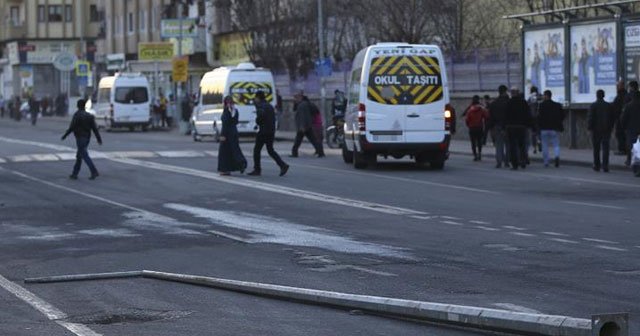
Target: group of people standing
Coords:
[(516, 124), (16, 108)]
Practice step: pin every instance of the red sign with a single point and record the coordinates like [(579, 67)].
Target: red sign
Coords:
[(28, 47)]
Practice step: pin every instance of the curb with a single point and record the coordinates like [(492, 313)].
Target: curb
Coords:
[(454, 315)]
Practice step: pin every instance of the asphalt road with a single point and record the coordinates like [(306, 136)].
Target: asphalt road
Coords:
[(557, 241)]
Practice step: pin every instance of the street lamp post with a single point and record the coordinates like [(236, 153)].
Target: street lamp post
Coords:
[(321, 59), (178, 98)]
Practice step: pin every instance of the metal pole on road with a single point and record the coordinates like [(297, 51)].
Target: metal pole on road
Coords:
[(178, 97), (321, 58)]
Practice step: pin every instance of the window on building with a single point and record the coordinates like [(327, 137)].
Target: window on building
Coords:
[(94, 15), (68, 13), (143, 18), (55, 13), (14, 13), (41, 13), (130, 23)]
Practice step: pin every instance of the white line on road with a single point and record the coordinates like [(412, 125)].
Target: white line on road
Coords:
[(450, 217), (37, 144), (594, 240), (557, 234), (230, 236), (486, 228), (522, 234), (451, 223), (423, 217), (479, 222), (274, 188), (509, 227), (565, 241), (51, 312), (595, 205), (611, 248), (2, 160), (180, 154)]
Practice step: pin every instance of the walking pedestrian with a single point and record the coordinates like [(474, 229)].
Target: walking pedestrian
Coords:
[(617, 106), (475, 120), (486, 101), (82, 124), (34, 109), (2, 106), (230, 157), (17, 104), (630, 121), (550, 118), (279, 109), (266, 123), (316, 125), (187, 110), (533, 138), (600, 121), (497, 115), (163, 104), (517, 121), (304, 125)]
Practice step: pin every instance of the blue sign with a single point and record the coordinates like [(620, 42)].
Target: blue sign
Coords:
[(83, 80), (324, 67)]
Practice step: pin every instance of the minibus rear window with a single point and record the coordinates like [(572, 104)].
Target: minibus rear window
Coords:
[(132, 95)]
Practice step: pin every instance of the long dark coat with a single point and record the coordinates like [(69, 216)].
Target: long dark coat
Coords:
[(230, 157)]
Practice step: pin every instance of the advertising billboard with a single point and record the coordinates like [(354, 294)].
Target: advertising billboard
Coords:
[(632, 51), (544, 61), (593, 61)]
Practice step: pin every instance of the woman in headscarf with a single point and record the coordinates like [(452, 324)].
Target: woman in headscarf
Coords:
[(230, 157)]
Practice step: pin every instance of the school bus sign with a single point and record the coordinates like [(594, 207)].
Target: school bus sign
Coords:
[(155, 51)]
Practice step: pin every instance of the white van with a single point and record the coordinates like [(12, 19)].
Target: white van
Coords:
[(241, 82), (398, 105), (123, 101)]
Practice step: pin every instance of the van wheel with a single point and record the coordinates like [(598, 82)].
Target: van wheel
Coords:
[(347, 155), (359, 160), (437, 164)]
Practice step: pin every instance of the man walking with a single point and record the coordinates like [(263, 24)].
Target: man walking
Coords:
[(81, 125), (600, 122), (616, 107), (550, 118), (266, 123), (497, 114), (630, 121), (517, 121), (304, 125), (34, 109)]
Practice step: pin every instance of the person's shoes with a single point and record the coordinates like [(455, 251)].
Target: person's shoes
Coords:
[(254, 173), (73, 177), (514, 168), (93, 176), (605, 169), (596, 168), (523, 166), (284, 170), (557, 162), (498, 165), (321, 155)]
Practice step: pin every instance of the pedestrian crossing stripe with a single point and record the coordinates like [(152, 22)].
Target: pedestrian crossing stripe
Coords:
[(405, 80), (244, 93)]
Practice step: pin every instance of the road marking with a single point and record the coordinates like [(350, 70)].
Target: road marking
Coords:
[(128, 154), (522, 234), (269, 230), (451, 223), (558, 234), (479, 222), (20, 158), (593, 240), (37, 144), (595, 205), (298, 193), (51, 312), (486, 228), (230, 236), (450, 217), (516, 308), (423, 217), (66, 156), (44, 157), (180, 154), (611, 248), (509, 227), (449, 186), (565, 241)]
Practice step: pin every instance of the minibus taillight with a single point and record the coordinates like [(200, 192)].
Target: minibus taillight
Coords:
[(362, 120), (448, 117)]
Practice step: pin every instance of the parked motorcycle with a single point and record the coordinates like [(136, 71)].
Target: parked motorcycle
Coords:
[(335, 133)]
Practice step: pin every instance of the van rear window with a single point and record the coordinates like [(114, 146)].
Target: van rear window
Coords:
[(405, 80), (243, 93), (103, 95), (132, 95)]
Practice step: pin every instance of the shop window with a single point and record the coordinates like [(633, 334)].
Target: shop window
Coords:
[(55, 13)]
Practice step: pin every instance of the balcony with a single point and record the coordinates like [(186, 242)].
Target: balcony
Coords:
[(12, 30)]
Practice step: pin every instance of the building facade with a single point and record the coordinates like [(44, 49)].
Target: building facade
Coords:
[(34, 32)]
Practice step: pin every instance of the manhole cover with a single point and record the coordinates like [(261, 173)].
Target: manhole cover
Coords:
[(127, 316)]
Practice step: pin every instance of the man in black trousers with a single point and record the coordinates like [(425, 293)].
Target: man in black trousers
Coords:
[(600, 121), (304, 122), (81, 125), (266, 123)]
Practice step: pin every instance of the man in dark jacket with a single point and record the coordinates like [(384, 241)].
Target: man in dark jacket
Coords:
[(304, 124), (550, 118), (266, 123), (630, 121), (81, 125), (616, 107), (497, 115), (600, 122), (517, 121)]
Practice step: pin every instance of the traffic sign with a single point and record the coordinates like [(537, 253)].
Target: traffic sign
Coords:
[(180, 69), (65, 61), (323, 67), (82, 68), (172, 28), (155, 51)]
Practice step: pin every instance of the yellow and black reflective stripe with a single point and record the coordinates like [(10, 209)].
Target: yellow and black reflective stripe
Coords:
[(405, 83), (243, 93)]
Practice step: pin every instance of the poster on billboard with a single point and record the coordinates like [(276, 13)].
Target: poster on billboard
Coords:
[(593, 61), (544, 61), (632, 51)]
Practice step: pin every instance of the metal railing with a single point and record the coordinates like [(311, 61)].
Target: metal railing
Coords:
[(483, 70)]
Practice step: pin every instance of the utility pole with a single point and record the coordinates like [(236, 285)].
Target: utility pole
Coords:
[(321, 59), (178, 98)]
